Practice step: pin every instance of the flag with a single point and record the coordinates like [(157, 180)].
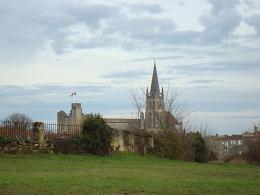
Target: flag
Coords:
[(72, 94)]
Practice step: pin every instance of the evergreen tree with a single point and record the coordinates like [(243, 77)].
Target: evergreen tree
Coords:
[(97, 135)]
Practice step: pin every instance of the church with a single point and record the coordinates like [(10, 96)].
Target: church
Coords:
[(155, 118)]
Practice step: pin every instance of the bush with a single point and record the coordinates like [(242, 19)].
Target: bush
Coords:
[(4, 141), (67, 146), (198, 146), (180, 146), (253, 154), (96, 138), (172, 145), (96, 135), (167, 145)]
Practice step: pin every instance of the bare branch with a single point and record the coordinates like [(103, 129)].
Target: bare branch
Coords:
[(138, 99)]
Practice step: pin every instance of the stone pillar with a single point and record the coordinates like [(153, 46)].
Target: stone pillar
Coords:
[(38, 133), (132, 139), (151, 143), (118, 142), (121, 141)]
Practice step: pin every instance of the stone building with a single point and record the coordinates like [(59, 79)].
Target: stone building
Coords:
[(225, 146), (129, 129), (67, 122)]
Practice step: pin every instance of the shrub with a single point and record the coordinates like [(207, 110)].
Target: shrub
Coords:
[(180, 146), (171, 145), (96, 135), (67, 146), (253, 154), (4, 141), (167, 145), (198, 146)]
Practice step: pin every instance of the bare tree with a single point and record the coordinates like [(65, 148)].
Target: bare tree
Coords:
[(138, 100), (256, 126), (174, 105), (175, 110), (20, 120)]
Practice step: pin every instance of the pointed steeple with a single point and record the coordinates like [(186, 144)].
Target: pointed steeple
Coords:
[(155, 90)]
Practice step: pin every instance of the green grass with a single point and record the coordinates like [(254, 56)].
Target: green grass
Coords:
[(121, 173)]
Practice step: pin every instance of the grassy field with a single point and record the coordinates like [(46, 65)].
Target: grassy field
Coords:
[(121, 173)]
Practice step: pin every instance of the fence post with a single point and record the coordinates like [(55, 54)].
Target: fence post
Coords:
[(38, 133)]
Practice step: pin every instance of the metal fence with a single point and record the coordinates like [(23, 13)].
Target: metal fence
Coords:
[(52, 131)]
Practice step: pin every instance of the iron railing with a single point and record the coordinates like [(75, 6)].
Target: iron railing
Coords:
[(24, 130)]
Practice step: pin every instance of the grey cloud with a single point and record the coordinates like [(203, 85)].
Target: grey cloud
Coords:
[(242, 117), (27, 27), (211, 67), (249, 3), (149, 8), (206, 81), (151, 31), (27, 31), (95, 42), (181, 3), (156, 58), (136, 27), (131, 74), (220, 22), (255, 22), (137, 32), (222, 99), (220, 5), (218, 26), (92, 14)]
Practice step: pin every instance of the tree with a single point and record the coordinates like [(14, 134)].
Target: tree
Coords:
[(19, 118), (173, 141), (138, 100), (253, 144), (198, 146), (97, 135), (253, 153), (175, 110)]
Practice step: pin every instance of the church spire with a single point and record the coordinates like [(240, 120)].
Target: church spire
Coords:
[(155, 84)]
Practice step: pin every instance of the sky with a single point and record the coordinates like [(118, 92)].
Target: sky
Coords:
[(206, 50)]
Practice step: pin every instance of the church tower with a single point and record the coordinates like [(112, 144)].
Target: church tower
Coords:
[(155, 109)]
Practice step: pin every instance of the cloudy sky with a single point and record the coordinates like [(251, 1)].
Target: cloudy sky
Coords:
[(207, 50)]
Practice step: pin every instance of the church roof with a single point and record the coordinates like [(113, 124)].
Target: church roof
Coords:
[(155, 84)]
